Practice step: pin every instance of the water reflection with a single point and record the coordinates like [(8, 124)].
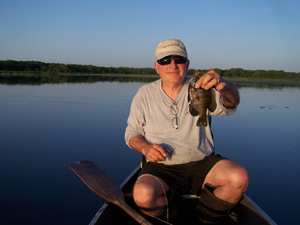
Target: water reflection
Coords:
[(266, 84), (56, 79)]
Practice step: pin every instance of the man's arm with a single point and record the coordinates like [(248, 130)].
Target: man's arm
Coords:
[(153, 153), (230, 96)]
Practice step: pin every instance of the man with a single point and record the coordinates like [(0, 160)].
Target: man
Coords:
[(180, 155)]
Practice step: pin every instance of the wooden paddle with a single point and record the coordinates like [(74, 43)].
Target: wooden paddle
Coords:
[(104, 187)]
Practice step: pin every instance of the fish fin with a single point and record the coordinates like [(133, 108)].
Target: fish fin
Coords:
[(202, 121), (213, 105)]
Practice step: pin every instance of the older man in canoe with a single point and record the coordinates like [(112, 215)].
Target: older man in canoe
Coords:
[(180, 156)]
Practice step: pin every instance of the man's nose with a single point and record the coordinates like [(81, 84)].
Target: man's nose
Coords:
[(173, 64)]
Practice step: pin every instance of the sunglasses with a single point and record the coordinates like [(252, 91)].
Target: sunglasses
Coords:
[(167, 60)]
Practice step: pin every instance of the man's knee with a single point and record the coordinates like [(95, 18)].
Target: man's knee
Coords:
[(239, 179), (149, 191), (143, 194), (230, 180)]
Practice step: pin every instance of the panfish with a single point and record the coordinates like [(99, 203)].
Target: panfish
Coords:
[(200, 100)]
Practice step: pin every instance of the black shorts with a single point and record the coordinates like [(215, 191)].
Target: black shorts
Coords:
[(185, 178)]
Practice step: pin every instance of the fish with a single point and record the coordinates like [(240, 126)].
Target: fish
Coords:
[(200, 100)]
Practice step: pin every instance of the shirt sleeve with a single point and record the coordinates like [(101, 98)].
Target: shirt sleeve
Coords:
[(221, 109), (136, 119)]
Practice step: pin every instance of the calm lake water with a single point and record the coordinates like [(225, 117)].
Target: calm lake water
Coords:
[(45, 127)]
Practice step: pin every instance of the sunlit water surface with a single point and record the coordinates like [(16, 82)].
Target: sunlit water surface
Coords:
[(45, 127)]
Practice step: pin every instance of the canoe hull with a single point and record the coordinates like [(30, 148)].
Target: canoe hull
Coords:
[(245, 213)]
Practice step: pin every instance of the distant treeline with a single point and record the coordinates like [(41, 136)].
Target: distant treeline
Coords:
[(56, 79), (36, 67), (58, 68)]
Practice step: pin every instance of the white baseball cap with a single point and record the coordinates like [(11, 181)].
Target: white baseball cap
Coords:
[(170, 47)]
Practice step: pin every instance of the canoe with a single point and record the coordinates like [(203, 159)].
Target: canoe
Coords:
[(244, 213)]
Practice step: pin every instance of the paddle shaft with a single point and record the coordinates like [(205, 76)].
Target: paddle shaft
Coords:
[(130, 211)]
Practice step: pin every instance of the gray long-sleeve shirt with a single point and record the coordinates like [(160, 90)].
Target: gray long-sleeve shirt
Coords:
[(151, 118)]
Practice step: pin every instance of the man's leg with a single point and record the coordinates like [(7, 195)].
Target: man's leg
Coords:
[(223, 187), (229, 179), (150, 194)]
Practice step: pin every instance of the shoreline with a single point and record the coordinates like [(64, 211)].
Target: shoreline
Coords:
[(29, 74), (234, 79)]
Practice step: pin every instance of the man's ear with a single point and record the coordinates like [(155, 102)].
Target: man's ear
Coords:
[(187, 64), (155, 65)]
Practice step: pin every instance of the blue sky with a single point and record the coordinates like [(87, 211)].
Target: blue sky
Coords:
[(249, 34)]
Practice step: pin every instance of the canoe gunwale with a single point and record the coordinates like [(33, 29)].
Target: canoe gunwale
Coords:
[(260, 210)]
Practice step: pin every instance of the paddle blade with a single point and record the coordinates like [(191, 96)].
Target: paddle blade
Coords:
[(105, 187), (98, 181)]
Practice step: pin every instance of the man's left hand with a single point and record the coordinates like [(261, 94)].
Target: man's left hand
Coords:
[(211, 79)]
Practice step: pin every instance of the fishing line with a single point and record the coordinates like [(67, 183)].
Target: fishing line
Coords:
[(166, 199)]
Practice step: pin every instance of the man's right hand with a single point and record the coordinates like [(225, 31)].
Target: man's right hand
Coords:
[(154, 153)]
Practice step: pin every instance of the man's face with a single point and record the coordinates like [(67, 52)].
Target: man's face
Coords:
[(172, 73)]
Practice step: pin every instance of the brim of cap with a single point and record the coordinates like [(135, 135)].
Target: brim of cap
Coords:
[(167, 53)]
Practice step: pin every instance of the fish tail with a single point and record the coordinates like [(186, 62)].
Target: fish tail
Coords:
[(202, 120)]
